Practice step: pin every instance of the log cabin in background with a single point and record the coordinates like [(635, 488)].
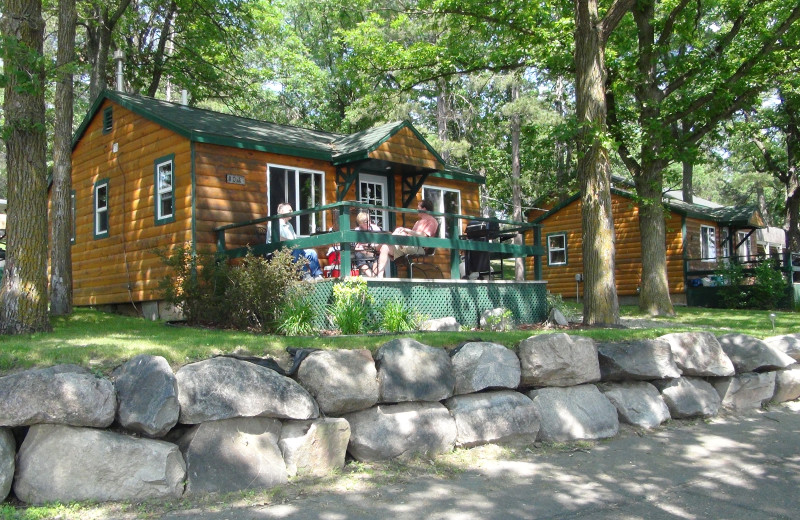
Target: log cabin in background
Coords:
[(699, 237), (153, 174)]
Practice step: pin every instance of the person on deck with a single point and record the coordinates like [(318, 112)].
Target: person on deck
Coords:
[(312, 269), (426, 226), (364, 254)]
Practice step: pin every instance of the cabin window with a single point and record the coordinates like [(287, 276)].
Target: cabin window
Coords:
[(708, 244), (444, 201), (108, 120), (373, 189), (303, 189), (101, 209), (557, 249), (743, 251), (164, 189)]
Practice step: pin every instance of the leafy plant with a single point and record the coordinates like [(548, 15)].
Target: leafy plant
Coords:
[(351, 305), (555, 301), (499, 322), (769, 288), (297, 317), (396, 316), (732, 292)]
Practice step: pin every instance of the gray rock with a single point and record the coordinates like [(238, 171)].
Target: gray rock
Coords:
[(643, 359), (504, 416), (745, 391), (63, 394), (750, 354), (698, 354), (340, 380), (789, 344), (233, 455), (8, 450), (689, 397), (558, 360), (316, 447), (498, 319), (556, 317), (401, 431), (147, 392), (448, 324), (637, 402), (787, 384), (65, 464), (574, 413), (223, 388), (411, 371), (481, 365)]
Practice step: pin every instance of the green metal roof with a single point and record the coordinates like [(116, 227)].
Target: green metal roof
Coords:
[(206, 126), (740, 217)]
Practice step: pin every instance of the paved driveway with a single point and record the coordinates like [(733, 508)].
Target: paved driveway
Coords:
[(745, 467)]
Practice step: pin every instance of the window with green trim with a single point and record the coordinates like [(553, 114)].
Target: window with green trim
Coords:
[(108, 119), (163, 169), (557, 249), (101, 209)]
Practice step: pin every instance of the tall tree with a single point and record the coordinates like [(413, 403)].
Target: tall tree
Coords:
[(594, 170), (23, 294), (100, 17), (61, 199), (694, 65)]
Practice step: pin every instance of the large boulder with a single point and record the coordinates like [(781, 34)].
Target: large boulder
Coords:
[(699, 354), (63, 394), (637, 402), (66, 464), (558, 360), (787, 384), (401, 431), (480, 365), (745, 391), (224, 388), (689, 397), (147, 392), (411, 371), (233, 455), (8, 450), (340, 380), (316, 447), (574, 413), (789, 344), (750, 354), (643, 359), (504, 416)]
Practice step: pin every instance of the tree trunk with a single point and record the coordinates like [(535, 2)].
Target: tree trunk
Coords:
[(441, 118), (654, 291), (688, 175), (600, 303), (61, 200), (161, 53), (516, 172), (792, 178), (23, 294), (98, 37)]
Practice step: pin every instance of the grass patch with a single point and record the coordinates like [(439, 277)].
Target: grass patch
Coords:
[(101, 341)]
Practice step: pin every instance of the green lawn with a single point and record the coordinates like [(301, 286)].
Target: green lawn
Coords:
[(101, 341)]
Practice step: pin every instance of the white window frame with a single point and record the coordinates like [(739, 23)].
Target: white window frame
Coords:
[(551, 249), (294, 198), (708, 249), (161, 192), (442, 231), (744, 251), (377, 216), (98, 210)]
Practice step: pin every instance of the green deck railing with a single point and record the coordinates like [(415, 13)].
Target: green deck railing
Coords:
[(345, 236)]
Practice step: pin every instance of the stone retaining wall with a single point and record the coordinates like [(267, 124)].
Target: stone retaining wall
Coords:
[(225, 424)]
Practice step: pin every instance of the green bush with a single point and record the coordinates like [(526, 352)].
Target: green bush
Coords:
[(296, 319), (769, 287), (250, 295), (766, 288), (397, 317), (351, 305), (732, 291)]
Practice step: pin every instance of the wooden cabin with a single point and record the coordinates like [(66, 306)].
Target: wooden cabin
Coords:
[(150, 174), (698, 237)]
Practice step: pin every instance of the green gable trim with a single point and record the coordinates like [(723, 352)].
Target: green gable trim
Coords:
[(358, 146), (457, 174)]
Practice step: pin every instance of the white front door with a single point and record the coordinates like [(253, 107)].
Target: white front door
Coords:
[(373, 189)]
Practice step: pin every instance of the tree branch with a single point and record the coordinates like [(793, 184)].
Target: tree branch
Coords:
[(613, 17)]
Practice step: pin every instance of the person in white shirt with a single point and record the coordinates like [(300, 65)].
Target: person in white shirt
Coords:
[(312, 269), (364, 254)]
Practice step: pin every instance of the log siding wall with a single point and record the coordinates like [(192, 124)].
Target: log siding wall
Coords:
[(628, 269)]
